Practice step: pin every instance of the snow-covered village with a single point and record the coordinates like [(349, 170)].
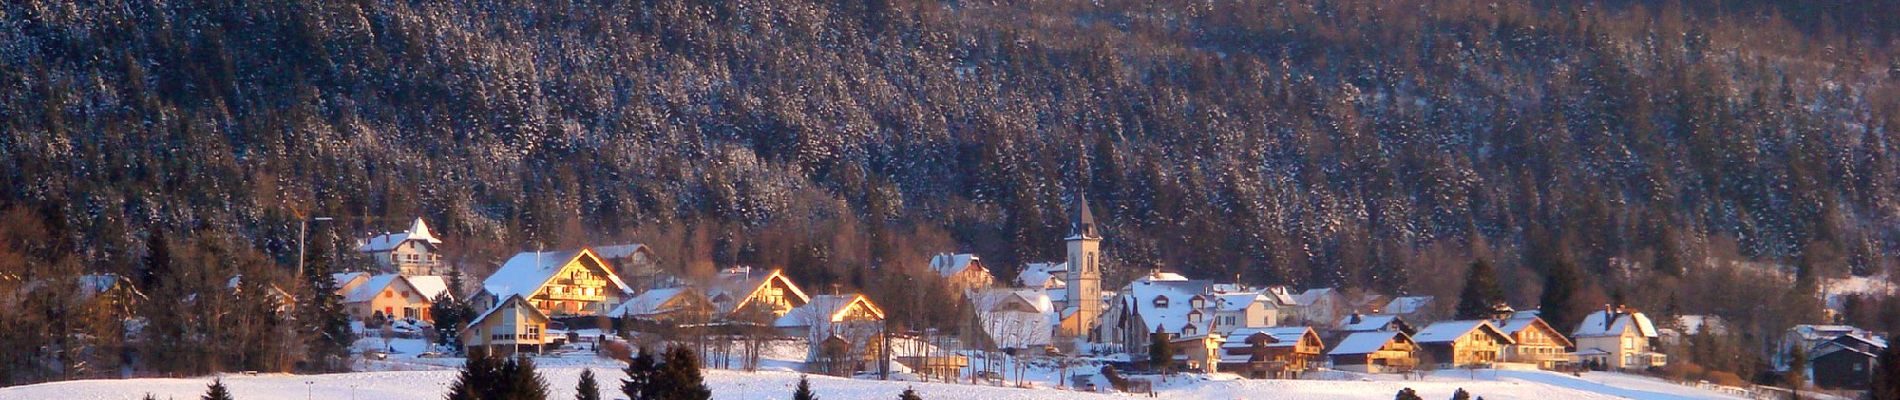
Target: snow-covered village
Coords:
[(949, 199)]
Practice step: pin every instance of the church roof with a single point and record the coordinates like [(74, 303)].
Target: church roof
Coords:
[(1081, 220)]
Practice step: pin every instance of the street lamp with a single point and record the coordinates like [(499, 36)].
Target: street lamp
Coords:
[(303, 231)]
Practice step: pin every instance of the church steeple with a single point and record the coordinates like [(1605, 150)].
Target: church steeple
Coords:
[(1081, 220)]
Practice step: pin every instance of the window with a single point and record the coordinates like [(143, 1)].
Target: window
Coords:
[(1161, 301), (389, 294), (1189, 330), (1197, 302), (1194, 316)]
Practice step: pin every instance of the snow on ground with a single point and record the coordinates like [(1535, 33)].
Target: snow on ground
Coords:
[(767, 385)]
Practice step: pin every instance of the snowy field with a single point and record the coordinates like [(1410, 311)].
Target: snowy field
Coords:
[(764, 385)]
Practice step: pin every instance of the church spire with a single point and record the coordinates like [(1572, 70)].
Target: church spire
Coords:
[(1081, 220)]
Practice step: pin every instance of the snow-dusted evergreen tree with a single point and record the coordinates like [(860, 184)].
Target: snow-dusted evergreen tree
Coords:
[(324, 324)]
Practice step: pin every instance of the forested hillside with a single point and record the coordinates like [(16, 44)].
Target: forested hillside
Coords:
[(1366, 143)]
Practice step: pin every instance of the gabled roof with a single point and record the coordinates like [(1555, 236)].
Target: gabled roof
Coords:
[(528, 271), (429, 285), (1283, 336), (1521, 321), (1043, 274), (344, 278), (504, 303), (1408, 304), (951, 264), (740, 284), (1824, 332), (368, 290), (1310, 296), (1608, 323), (1368, 323), (386, 242), (826, 309), (1237, 301), (620, 250), (653, 302), (1178, 290), (1015, 329), (1366, 342), (1450, 331)]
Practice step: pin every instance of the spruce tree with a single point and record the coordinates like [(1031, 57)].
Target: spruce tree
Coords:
[(803, 391), (520, 381), (640, 375), (325, 327), (680, 377), (157, 262), (1560, 305), (909, 394), (1160, 355), (587, 389), (1886, 384), (217, 391), (1407, 394), (478, 378), (1481, 293)]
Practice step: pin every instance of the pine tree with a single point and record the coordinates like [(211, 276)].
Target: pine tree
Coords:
[(1460, 394), (909, 394), (1481, 294), (1886, 384), (1560, 304), (217, 391), (325, 327), (639, 384), (521, 381), (803, 391), (157, 262), (587, 389), (1160, 355), (479, 376), (149, 396), (680, 377), (1407, 394)]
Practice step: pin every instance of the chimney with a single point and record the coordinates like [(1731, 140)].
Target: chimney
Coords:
[(1355, 318)]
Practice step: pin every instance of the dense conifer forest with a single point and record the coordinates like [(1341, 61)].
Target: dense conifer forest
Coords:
[(1685, 157)]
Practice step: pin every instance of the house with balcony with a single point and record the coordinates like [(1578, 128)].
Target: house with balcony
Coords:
[(843, 333), (1271, 353), (1463, 344), (745, 293), (1617, 339), (413, 252), (392, 297), (559, 283), (1534, 341), (1375, 352), (513, 325)]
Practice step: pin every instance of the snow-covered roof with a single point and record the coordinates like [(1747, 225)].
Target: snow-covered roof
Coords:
[(1013, 327), (1281, 295), (1408, 304), (824, 309), (952, 264), (1693, 324), (511, 300), (1043, 275), (429, 285), (1236, 301), (653, 302), (1310, 296), (1365, 342), (1449, 331), (1608, 323), (386, 242), (344, 278), (738, 284), (1177, 290), (1824, 332), (527, 271), (1283, 336), (368, 290), (1367, 323), (1521, 320), (618, 251)]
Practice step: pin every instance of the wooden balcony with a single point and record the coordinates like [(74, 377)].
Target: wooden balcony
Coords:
[(573, 296)]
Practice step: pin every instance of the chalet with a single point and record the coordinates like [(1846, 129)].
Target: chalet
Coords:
[(1011, 319), (1375, 352), (963, 271), (560, 283), (742, 293), (1356, 322), (1617, 339), (1846, 362), (1463, 344), (1281, 300), (636, 265), (1416, 308), (1157, 303), (391, 297), (842, 330), (1271, 353), (1197, 353), (512, 325), (1321, 305), (412, 252), (677, 304), (1535, 341)]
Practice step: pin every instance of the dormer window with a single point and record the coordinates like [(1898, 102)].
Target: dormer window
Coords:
[(1189, 330), (1197, 302), (1194, 316), (1161, 301)]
